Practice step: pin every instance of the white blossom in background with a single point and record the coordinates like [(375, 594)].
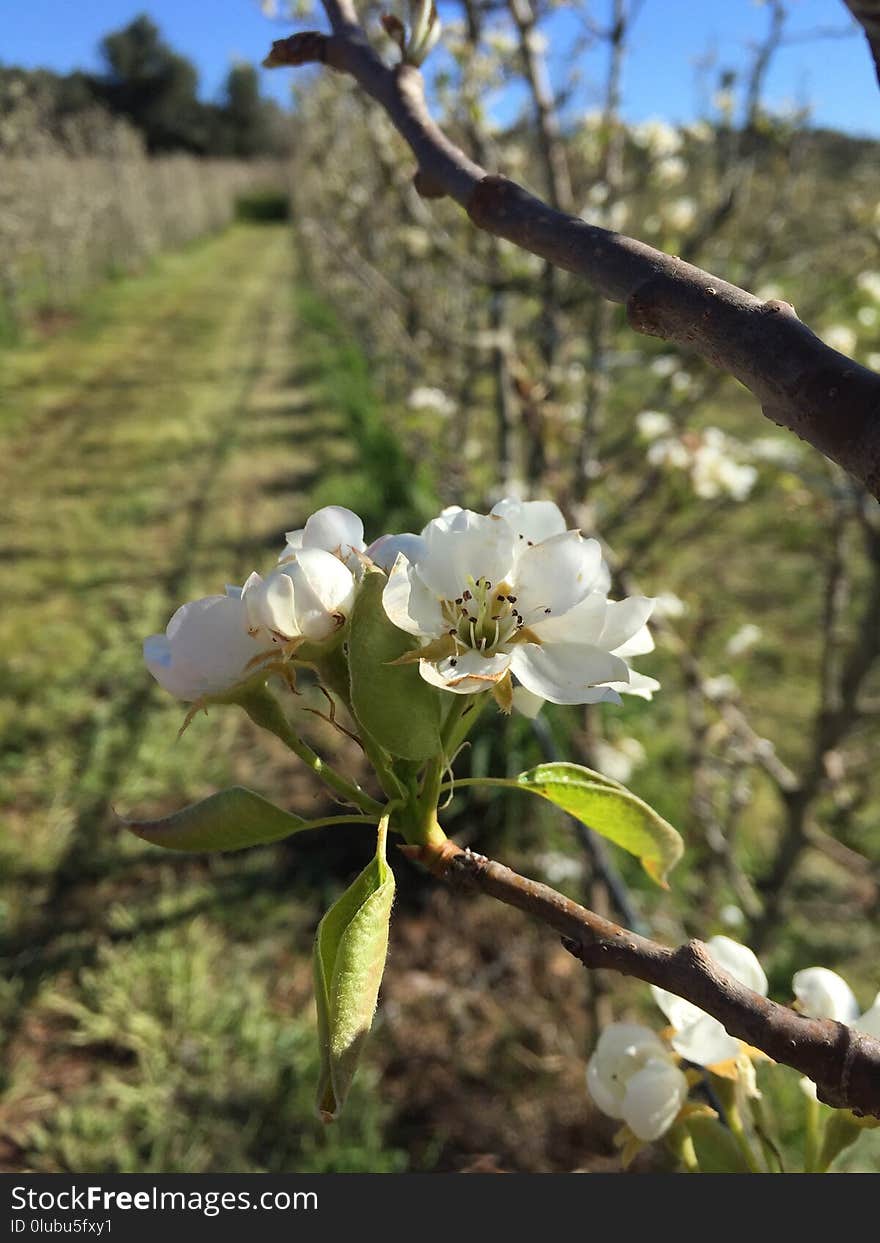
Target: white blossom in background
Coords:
[(205, 649), (514, 592), (743, 640), (429, 400), (671, 453), (657, 137), (416, 241), (633, 1076), (709, 459), (670, 170), (770, 292), (680, 214), (653, 423), (841, 337), (681, 381), (618, 759), (697, 1036), (867, 316), (721, 687), (668, 606), (665, 366), (732, 916), (775, 450), (869, 283), (559, 868), (873, 361)]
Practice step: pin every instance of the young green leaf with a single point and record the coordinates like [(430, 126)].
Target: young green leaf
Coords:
[(717, 1150), (610, 810), (842, 1130), (349, 959), (393, 703), (228, 820)]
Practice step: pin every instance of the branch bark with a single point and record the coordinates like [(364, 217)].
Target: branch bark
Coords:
[(843, 1063), (802, 384)]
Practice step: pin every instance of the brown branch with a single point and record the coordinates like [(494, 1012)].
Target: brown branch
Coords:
[(867, 14), (803, 385), (843, 1063)]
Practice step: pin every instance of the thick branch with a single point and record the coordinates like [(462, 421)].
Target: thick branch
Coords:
[(867, 14), (843, 1063), (802, 384)]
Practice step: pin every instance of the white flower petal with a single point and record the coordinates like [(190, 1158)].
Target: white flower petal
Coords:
[(621, 1051), (653, 1099), (568, 673), (640, 643), (552, 577), (205, 649), (409, 604), (680, 1013), (823, 994), (869, 1023), (270, 605), (531, 520), (527, 703), (466, 674), (581, 624), (383, 551), (334, 529), (639, 684), (624, 619), (293, 545), (739, 961), (323, 591), (465, 547), (705, 1042)]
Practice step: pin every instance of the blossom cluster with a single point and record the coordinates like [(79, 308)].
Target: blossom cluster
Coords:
[(711, 458), (636, 1076), (511, 601)]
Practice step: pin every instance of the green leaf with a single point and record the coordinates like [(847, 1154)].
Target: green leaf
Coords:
[(229, 820), (717, 1150), (393, 703), (349, 959), (842, 1130), (611, 810)]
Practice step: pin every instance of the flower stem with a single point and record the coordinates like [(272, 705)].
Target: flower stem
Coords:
[(812, 1135), (738, 1131), (264, 710)]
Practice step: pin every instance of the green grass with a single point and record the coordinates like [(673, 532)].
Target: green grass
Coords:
[(157, 1014)]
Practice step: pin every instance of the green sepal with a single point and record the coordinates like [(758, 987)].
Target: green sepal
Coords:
[(393, 703)]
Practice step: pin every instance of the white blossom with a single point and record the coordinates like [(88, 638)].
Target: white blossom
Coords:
[(632, 1076), (668, 606), (657, 137), (618, 759), (743, 640), (823, 994), (205, 649), (697, 1036), (653, 423), (869, 283), (514, 592), (429, 400), (841, 337), (332, 529), (680, 214), (309, 596)]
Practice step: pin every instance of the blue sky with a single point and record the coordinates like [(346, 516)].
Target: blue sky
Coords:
[(834, 76)]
